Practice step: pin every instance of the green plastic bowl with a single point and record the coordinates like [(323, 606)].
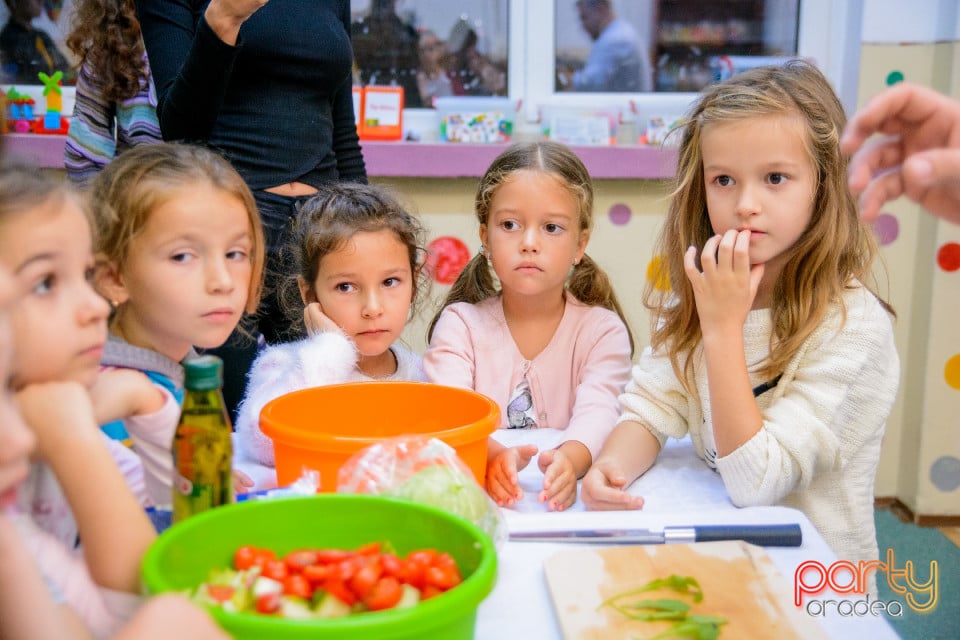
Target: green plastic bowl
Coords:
[(183, 555)]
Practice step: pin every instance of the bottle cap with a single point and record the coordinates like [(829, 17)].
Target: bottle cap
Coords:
[(203, 373)]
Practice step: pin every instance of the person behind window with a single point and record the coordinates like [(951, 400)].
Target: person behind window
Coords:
[(432, 77), (471, 72), (385, 50), (617, 61), (25, 50)]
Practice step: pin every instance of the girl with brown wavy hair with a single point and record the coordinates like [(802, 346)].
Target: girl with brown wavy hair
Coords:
[(116, 103)]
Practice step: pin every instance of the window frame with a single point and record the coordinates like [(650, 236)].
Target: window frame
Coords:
[(824, 36), (835, 52)]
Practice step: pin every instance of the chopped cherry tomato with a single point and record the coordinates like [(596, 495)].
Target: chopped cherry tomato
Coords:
[(297, 585), (425, 557), (317, 573), (446, 561), (244, 557), (413, 574), (275, 570), (392, 565), (441, 578), (263, 556), (368, 575), (331, 556), (386, 593), (339, 588), (429, 591), (372, 549), (268, 603), (365, 578), (297, 561), (220, 592)]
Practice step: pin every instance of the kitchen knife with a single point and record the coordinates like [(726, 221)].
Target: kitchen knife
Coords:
[(764, 535)]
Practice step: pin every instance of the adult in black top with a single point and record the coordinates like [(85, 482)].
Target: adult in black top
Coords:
[(269, 84)]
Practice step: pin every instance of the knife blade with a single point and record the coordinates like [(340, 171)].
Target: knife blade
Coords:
[(764, 535)]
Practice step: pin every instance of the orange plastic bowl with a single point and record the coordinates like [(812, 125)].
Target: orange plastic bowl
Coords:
[(321, 427)]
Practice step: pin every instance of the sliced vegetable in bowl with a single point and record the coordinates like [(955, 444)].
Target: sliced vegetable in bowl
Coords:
[(332, 526), (327, 583)]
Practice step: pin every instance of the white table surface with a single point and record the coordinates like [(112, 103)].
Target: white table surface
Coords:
[(679, 489)]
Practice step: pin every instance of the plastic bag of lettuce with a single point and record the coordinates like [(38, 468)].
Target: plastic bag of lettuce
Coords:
[(425, 470)]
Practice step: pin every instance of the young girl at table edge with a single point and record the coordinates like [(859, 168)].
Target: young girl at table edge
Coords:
[(772, 354), (75, 488), (30, 605), (550, 345), (356, 258), (179, 255), (116, 104)]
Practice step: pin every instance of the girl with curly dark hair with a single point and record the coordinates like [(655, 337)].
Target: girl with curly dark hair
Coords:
[(116, 103)]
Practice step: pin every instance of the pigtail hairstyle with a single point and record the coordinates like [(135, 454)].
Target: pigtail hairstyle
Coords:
[(106, 33), (588, 283), (327, 221), (835, 250), (126, 193)]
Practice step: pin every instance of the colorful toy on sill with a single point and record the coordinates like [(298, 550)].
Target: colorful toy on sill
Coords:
[(19, 112), (52, 123), (476, 119)]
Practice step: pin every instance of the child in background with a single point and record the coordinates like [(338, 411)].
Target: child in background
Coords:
[(29, 606), (432, 77), (115, 106), (179, 255), (772, 354), (568, 344), (59, 327), (357, 259)]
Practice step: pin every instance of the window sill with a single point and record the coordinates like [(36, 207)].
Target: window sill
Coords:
[(420, 160)]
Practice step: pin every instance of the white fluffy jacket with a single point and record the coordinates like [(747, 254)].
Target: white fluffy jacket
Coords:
[(325, 358)]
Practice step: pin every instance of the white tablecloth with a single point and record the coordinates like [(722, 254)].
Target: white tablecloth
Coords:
[(679, 489)]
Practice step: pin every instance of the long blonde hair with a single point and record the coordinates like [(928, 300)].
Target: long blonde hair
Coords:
[(835, 249), (588, 282)]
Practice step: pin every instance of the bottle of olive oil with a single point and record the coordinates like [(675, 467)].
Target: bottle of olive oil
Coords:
[(202, 448)]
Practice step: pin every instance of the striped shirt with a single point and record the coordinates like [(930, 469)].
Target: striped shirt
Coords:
[(100, 130)]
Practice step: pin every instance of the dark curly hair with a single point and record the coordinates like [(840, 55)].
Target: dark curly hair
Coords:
[(106, 33)]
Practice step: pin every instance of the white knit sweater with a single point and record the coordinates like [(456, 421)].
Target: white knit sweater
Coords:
[(329, 357), (823, 423)]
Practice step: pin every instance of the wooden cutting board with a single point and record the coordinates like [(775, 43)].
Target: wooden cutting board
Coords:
[(739, 582)]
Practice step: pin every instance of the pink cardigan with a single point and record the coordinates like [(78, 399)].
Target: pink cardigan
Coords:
[(574, 381)]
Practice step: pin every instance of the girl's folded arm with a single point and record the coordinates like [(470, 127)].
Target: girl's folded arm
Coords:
[(602, 380), (838, 398)]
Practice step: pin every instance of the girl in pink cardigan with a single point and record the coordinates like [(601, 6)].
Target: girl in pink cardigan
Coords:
[(550, 345)]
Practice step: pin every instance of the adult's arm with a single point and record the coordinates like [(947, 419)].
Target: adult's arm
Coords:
[(838, 401), (191, 65), (346, 143)]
